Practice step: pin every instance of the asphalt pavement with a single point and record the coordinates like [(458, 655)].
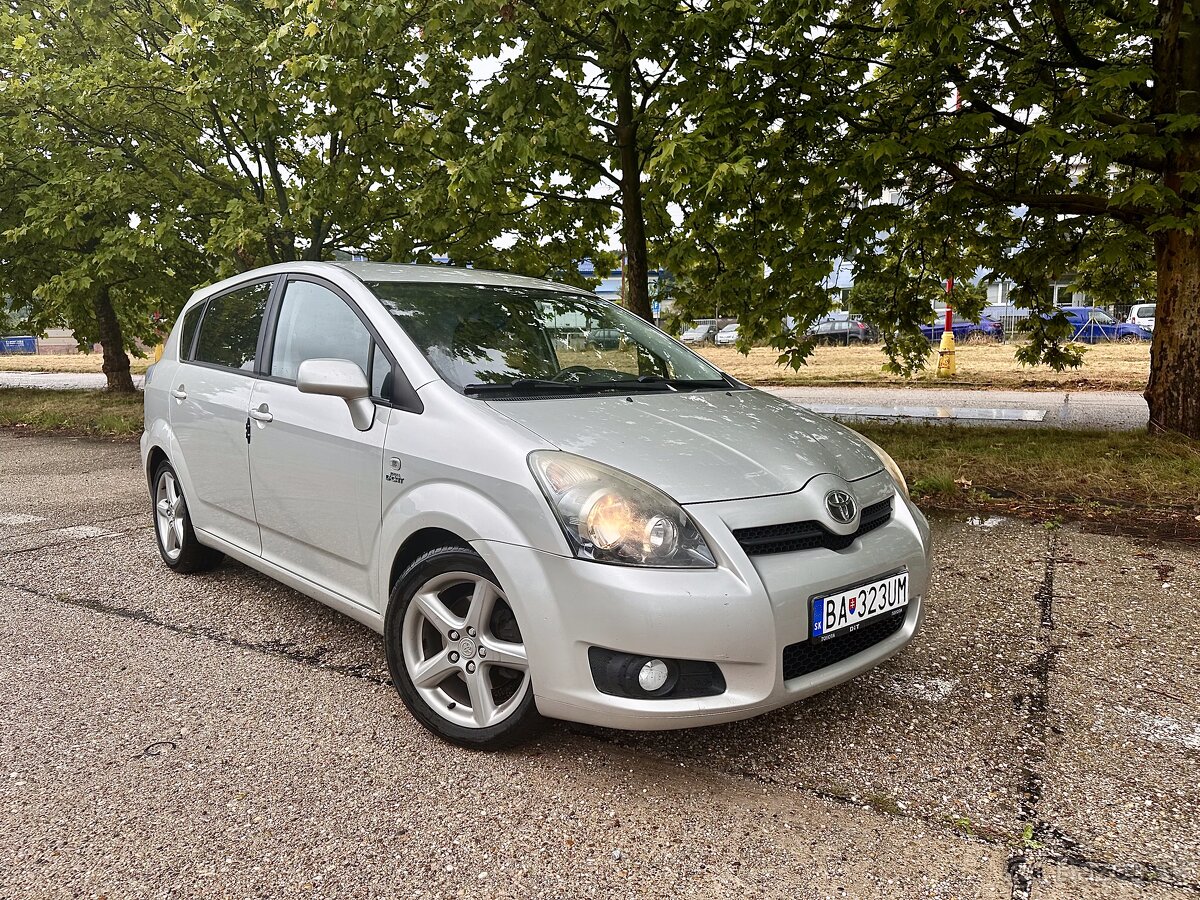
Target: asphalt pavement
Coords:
[(222, 735), (1051, 409)]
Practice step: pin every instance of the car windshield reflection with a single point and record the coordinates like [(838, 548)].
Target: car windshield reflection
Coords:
[(486, 339)]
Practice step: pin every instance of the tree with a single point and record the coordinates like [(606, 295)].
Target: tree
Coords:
[(85, 238), (161, 145), (569, 103), (1029, 140)]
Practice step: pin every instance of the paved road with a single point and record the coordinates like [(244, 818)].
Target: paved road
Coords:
[(1080, 409), (1056, 409), (59, 380), (220, 734)]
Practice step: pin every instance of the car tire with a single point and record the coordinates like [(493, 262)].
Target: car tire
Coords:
[(448, 625), (173, 532), (1130, 339)]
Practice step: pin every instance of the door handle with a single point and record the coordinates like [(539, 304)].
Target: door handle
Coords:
[(262, 414), (179, 393)]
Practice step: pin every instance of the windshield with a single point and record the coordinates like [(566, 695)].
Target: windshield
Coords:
[(484, 338)]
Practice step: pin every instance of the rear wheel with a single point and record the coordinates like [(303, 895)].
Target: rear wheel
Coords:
[(456, 654), (1129, 339), (173, 530)]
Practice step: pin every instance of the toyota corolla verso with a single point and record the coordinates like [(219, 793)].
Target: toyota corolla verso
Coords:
[(620, 535)]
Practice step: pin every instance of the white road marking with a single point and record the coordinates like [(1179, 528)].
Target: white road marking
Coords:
[(20, 519)]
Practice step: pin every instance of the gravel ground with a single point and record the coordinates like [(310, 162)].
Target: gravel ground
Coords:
[(222, 734)]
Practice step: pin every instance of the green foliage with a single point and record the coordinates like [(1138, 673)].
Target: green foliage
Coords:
[(745, 145), (832, 131)]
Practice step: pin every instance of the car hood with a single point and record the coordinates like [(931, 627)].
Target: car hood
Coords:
[(702, 446)]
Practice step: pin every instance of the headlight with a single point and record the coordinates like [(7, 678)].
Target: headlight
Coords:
[(888, 463), (609, 516)]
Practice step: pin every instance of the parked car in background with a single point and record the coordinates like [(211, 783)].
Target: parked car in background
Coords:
[(1092, 325), (603, 339), (727, 335), (844, 331), (983, 328), (1142, 314), (700, 334)]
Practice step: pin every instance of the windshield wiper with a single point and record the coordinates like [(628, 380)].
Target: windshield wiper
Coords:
[(684, 384), (520, 384), (547, 385)]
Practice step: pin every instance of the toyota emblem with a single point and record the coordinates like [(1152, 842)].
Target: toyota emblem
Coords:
[(841, 506)]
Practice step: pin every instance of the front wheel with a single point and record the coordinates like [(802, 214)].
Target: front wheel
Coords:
[(456, 654), (1130, 339)]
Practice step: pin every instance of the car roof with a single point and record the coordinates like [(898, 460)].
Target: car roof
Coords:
[(436, 273), (399, 272)]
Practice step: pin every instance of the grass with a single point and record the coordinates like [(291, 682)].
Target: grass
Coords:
[(64, 362), (96, 413), (1126, 480), (1106, 367)]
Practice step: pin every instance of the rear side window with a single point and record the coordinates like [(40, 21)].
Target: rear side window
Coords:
[(191, 319), (316, 323), (230, 326)]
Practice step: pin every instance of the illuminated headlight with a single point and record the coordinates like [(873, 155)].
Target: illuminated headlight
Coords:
[(888, 463), (610, 516)]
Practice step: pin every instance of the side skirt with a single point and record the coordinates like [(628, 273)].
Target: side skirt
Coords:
[(367, 617)]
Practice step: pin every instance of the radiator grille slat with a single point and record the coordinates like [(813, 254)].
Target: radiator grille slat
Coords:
[(809, 535)]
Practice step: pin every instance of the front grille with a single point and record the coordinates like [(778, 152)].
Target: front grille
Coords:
[(809, 656), (809, 535)]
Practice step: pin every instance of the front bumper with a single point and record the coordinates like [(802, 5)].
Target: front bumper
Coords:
[(740, 615)]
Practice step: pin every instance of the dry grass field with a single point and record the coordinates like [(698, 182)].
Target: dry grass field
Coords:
[(1106, 367), (67, 362)]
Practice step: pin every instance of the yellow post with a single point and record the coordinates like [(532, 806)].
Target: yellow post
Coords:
[(157, 354), (946, 367)]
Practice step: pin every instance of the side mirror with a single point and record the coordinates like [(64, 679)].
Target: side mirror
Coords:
[(339, 378)]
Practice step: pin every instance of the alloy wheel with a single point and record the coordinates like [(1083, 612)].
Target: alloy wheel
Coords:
[(463, 650), (170, 514)]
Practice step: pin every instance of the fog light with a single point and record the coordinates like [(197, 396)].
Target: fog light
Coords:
[(653, 675)]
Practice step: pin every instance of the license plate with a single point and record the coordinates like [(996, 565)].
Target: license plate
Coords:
[(846, 610)]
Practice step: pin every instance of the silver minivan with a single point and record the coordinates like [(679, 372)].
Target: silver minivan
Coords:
[(621, 535)]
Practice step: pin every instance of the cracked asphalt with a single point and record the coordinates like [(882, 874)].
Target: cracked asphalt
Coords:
[(165, 735)]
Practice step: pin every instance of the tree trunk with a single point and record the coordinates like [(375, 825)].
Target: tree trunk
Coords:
[(1173, 393), (116, 362), (635, 268)]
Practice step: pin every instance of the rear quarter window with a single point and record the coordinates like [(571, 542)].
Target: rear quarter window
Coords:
[(187, 333), (230, 325)]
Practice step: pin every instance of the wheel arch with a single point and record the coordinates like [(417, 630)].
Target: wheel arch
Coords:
[(156, 457), (450, 513), (419, 543)]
